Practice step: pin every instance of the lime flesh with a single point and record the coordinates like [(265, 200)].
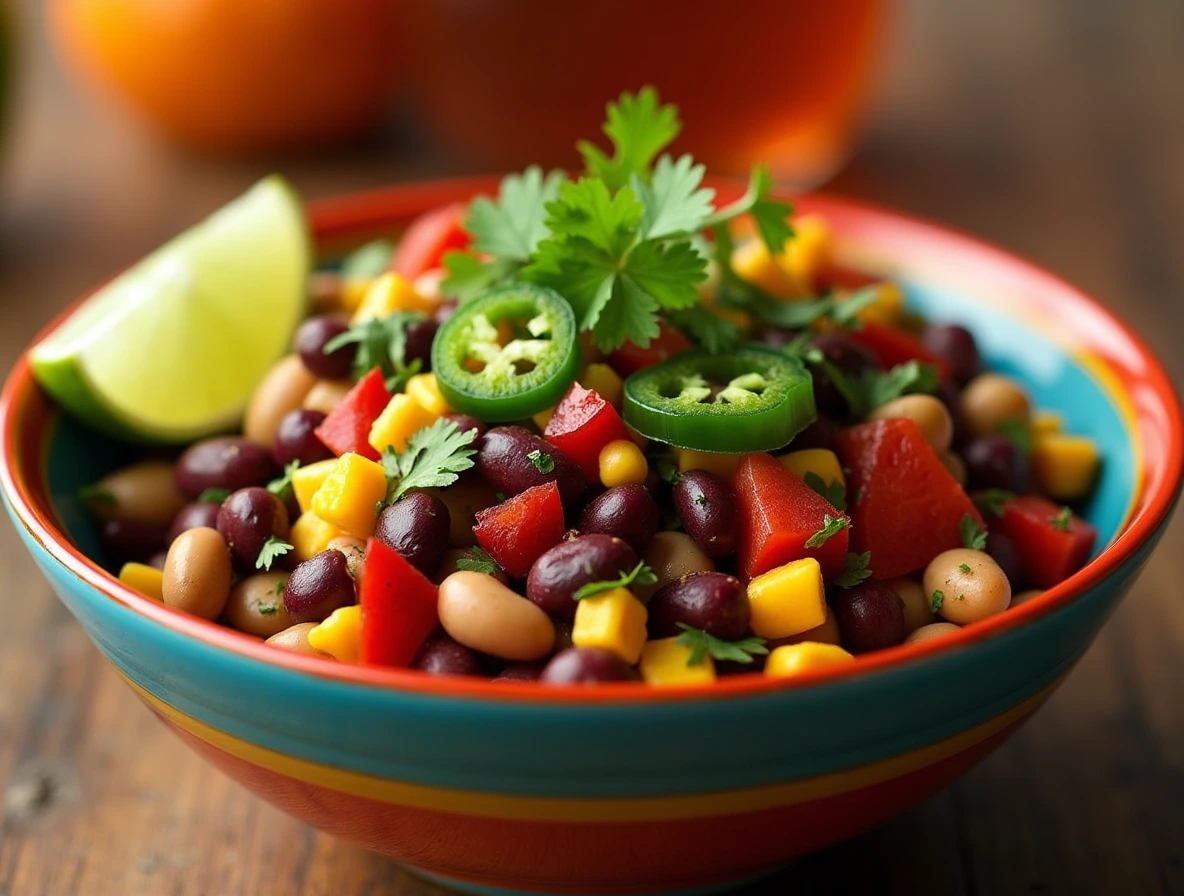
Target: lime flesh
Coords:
[(172, 349)]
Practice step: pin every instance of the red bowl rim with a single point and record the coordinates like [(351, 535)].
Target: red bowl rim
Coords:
[(358, 214)]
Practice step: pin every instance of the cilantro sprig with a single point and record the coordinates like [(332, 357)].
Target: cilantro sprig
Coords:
[(213, 495), (282, 487), (382, 343), (973, 535), (478, 560), (876, 387), (704, 645), (435, 457), (1063, 521), (641, 574), (856, 569), (272, 549), (831, 526), (992, 501), (835, 493)]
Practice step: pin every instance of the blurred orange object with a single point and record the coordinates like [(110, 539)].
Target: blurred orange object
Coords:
[(238, 75), (518, 81)]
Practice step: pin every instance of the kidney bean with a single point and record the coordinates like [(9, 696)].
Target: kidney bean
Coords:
[(417, 526), (626, 511), (569, 565), (950, 395), (228, 462), (145, 491), (847, 357), (870, 617), (318, 586), (311, 338), (995, 461), (296, 438), (956, 346), (464, 423), (284, 388), (247, 519), (520, 672), (197, 573), (256, 605), (711, 601), (193, 515), (672, 555), (442, 655), (1003, 551), (420, 336), (124, 541), (295, 640), (707, 508), (586, 665), (484, 615), (503, 460)]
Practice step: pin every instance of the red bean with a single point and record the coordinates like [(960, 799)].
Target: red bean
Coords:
[(1003, 551), (417, 526), (707, 508), (229, 462), (568, 566), (504, 460), (995, 461), (956, 346), (247, 519), (194, 516), (442, 655), (296, 438), (586, 665), (847, 357), (126, 541), (464, 423), (520, 672), (319, 586), (870, 617), (712, 601), (310, 341), (420, 336), (626, 511)]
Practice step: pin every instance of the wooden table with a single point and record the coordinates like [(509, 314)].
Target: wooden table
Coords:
[(1054, 128)]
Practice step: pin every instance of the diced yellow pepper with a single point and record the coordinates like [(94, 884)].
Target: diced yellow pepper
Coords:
[(819, 461), (604, 381), (353, 292), (796, 659), (753, 263), (148, 580), (788, 600), (542, 418), (622, 463), (1064, 467), (349, 496), (806, 252), (306, 481), (722, 465), (310, 535), (613, 620), (665, 662), (340, 635), (402, 418), (1047, 423), (424, 388), (742, 319), (390, 293)]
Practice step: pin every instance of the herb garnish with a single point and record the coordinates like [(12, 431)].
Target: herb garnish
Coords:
[(639, 575), (1061, 522), (831, 526), (95, 495), (1019, 432), (835, 493), (213, 496), (269, 609), (965, 569), (973, 535), (992, 501), (703, 645), (272, 549), (282, 487), (856, 568), (434, 458), (936, 600), (477, 560), (542, 462), (382, 343)]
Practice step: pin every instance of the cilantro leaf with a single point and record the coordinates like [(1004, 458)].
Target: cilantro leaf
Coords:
[(272, 549), (268, 608), (279, 586), (831, 526), (282, 487), (513, 225), (434, 458), (586, 209), (965, 569), (834, 492), (640, 575), (94, 496), (469, 276), (368, 260), (856, 568), (1063, 520), (908, 378), (973, 535), (639, 129), (846, 311), (675, 202), (477, 560), (213, 496), (936, 600), (703, 645), (542, 462), (992, 501), (629, 314), (382, 343), (770, 215), (713, 333), (667, 469), (668, 272), (1019, 433)]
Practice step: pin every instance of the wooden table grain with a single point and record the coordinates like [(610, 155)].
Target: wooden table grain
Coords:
[(1054, 128)]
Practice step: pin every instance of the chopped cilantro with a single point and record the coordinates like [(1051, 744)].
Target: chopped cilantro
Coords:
[(477, 560), (382, 343), (639, 575), (903, 379), (542, 462), (269, 609), (835, 492), (639, 128), (667, 469), (272, 548), (703, 645), (831, 526), (856, 568), (213, 496), (1062, 521), (973, 535), (279, 586), (1019, 432), (282, 487), (965, 569), (992, 501), (701, 499), (936, 600), (434, 458)]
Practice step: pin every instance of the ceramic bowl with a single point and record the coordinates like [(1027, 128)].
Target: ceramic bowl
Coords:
[(492, 788)]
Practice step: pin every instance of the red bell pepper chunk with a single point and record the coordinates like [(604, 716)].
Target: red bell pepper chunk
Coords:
[(891, 347), (347, 428), (516, 532), (428, 237), (779, 513), (399, 607), (630, 357), (905, 506), (583, 423), (1049, 551)]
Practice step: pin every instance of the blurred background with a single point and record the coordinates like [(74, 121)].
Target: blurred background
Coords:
[(1055, 128)]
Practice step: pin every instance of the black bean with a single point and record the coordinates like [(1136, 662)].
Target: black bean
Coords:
[(626, 511), (417, 526), (870, 617), (586, 665), (711, 601), (420, 336), (995, 461), (194, 516), (312, 337), (1003, 551), (296, 438), (706, 506), (442, 655), (247, 519), (318, 586), (229, 462), (956, 346), (128, 541), (848, 358), (506, 460), (520, 672), (565, 568)]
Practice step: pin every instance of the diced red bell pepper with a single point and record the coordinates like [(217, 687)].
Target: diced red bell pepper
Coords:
[(1049, 553), (905, 506), (630, 357), (779, 513), (892, 346), (347, 428), (583, 423), (427, 239), (516, 532), (399, 607)]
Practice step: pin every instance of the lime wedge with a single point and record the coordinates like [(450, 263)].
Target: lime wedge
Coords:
[(172, 348)]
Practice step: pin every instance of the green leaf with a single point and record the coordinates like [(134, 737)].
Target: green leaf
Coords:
[(213, 496), (834, 492), (512, 226), (542, 462), (1019, 433), (936, 600), (639, 128), (973, 535), (96, 496), (434, 458), (282, 487), (831, 526), (903, 379), (469, 276), (992, 501), (369, 260), (279, 586), (667, 272), (713, 333), (270, 608), (578, 271), (856, 568), (477, 560), (770, 215), (629, 315), (965, 569), (586, 209), (846, 312), (272, 548), (381, 343), (675, 202), (639, 575), (667, 469), (703, 645), (1062, 522)]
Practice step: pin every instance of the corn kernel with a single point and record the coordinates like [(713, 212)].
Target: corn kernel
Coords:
[(1064, 467), (148, 580), (543, 417), (388, 294), (622, 463), (753, 263), (1047, 423), (340, 635), (310, 535), (613, 620), (353, 293), (402, 418), (819, 461), (808, 656), (349, 496), (306, 481), (788, 600), (722, 465), (604, 381), (805, 254), (665, 662), (425, 389)]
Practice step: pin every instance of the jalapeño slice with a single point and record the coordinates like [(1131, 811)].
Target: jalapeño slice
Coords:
[(750, 399), (508, 354)]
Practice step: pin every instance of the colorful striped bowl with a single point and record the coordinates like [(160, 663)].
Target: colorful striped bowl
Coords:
[(494, 788)]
